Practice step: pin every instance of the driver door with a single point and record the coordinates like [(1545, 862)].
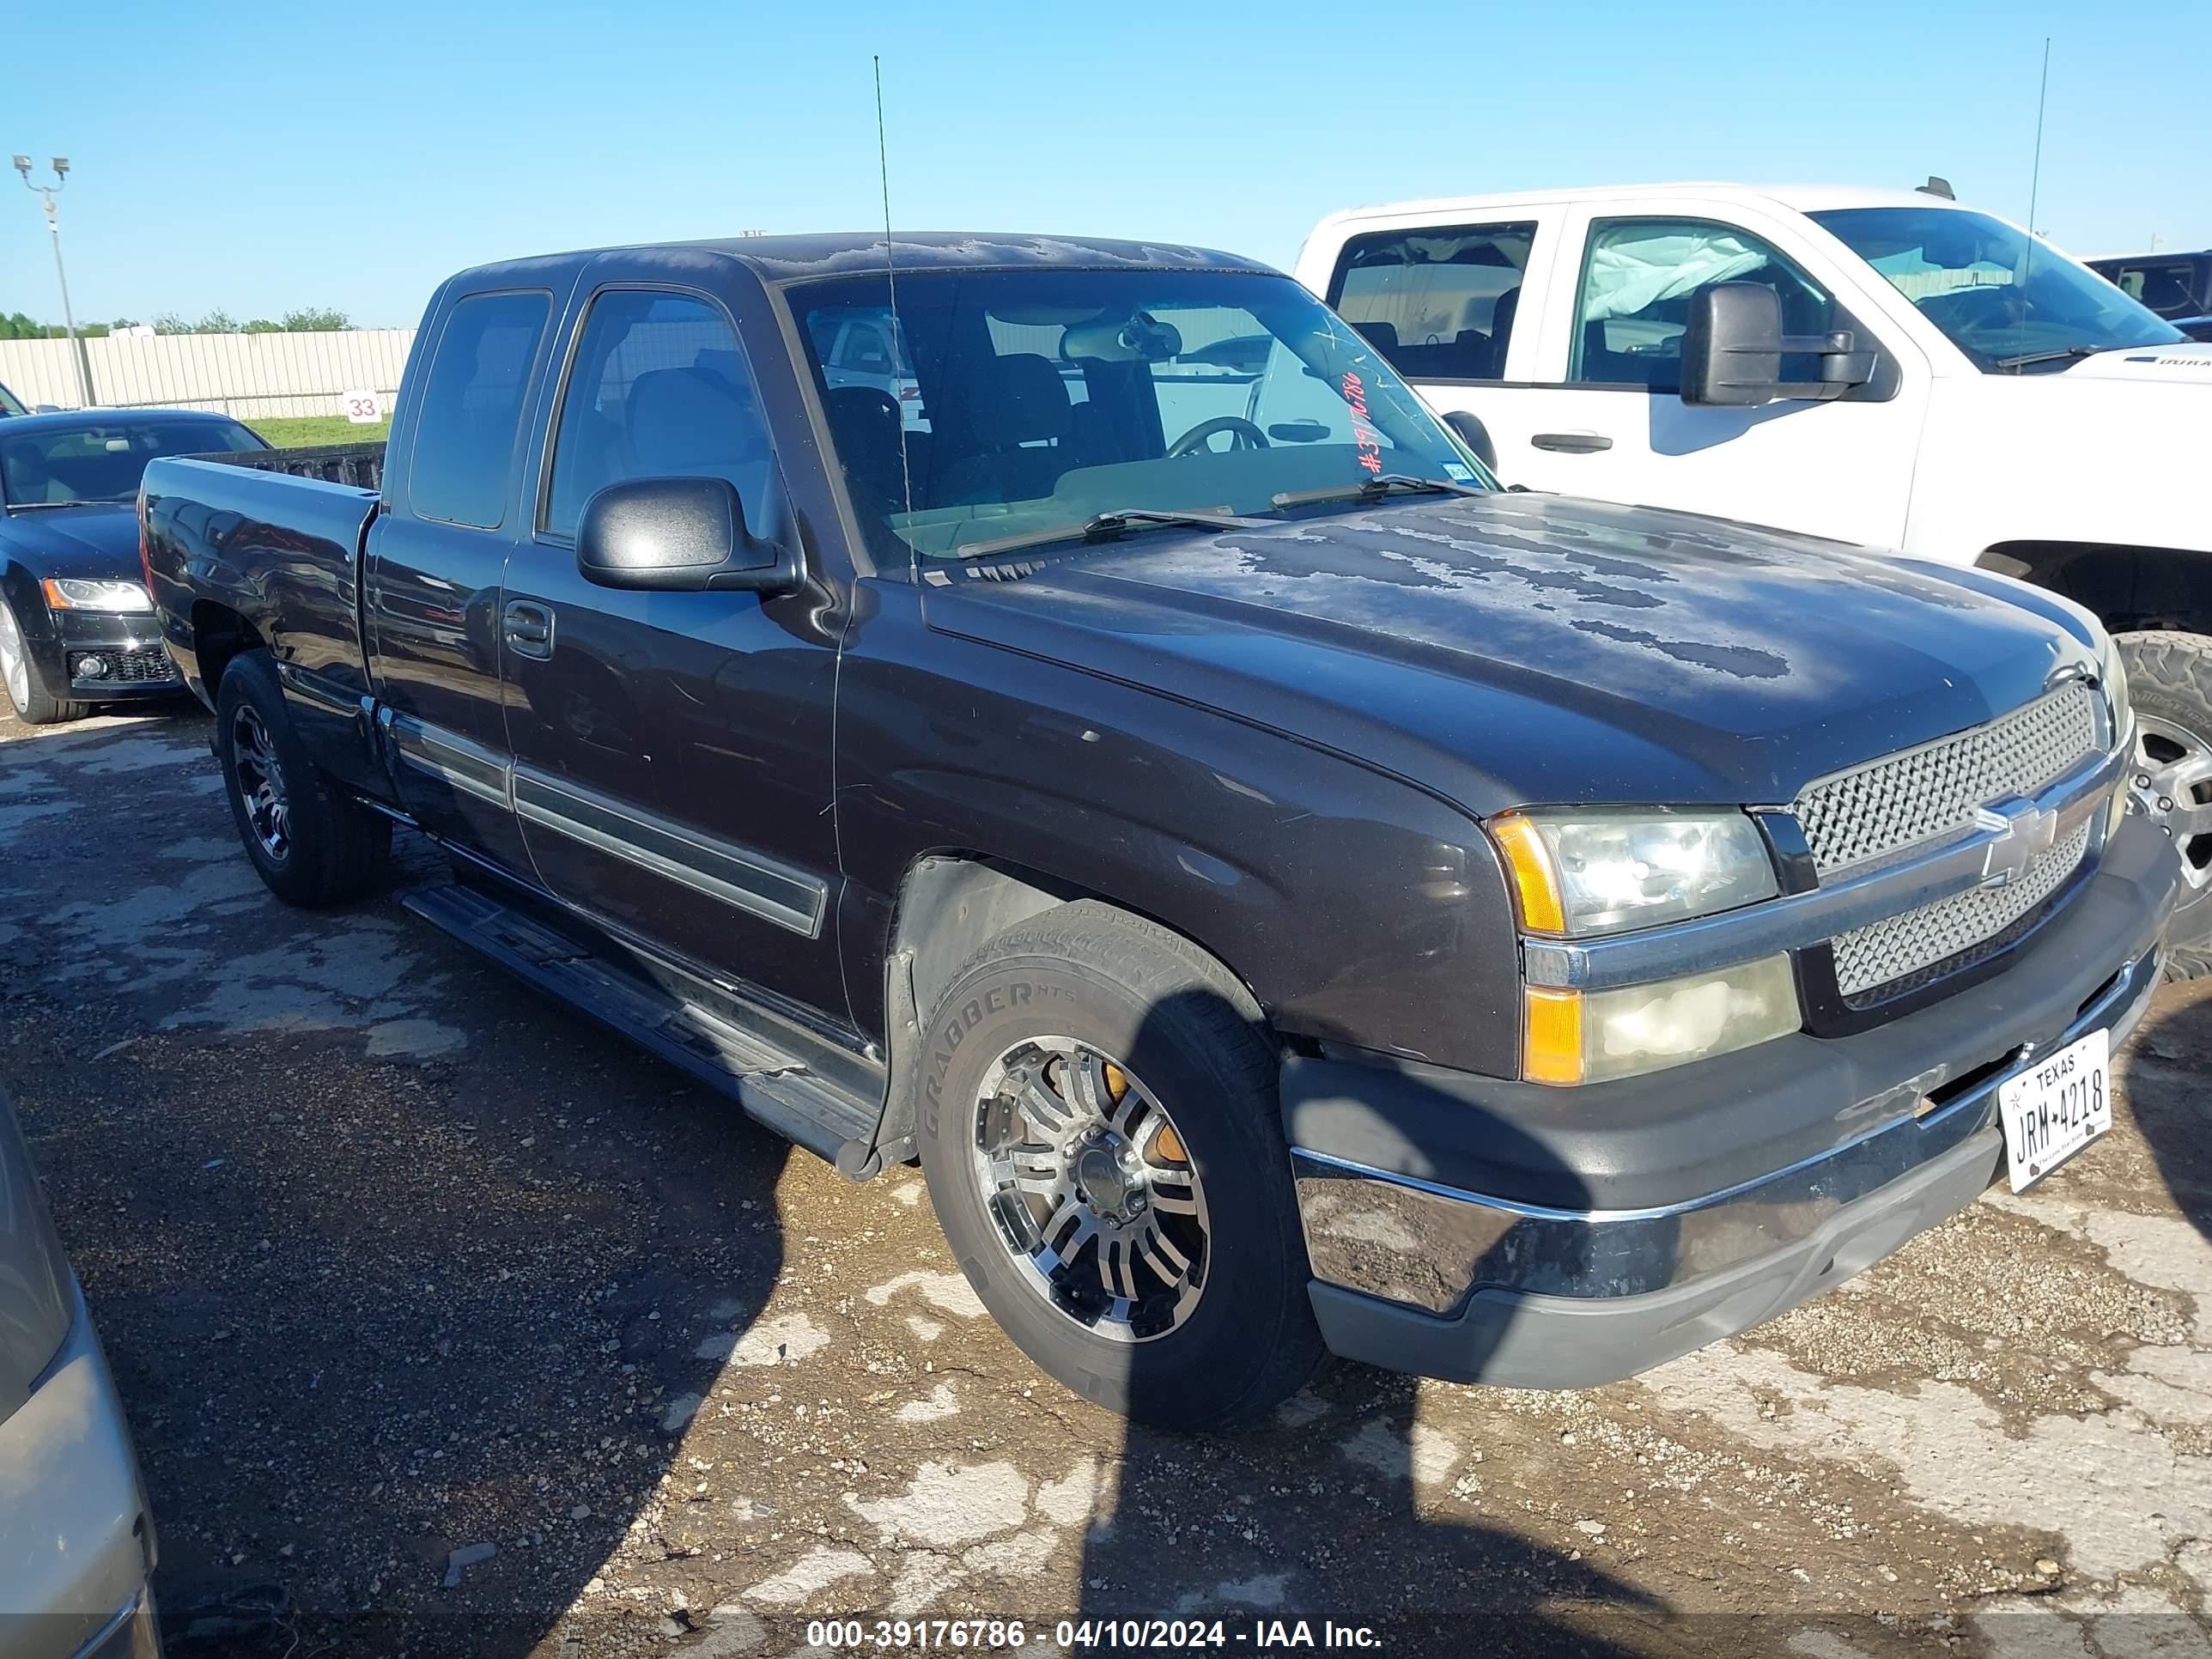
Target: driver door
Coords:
[(1605, 415)]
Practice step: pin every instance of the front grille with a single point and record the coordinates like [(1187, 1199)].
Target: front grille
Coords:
[(1900, 953), (1931, 793), (149, 665), (1893, 803)]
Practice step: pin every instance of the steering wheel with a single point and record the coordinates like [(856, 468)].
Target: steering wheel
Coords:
[(1248, 435)]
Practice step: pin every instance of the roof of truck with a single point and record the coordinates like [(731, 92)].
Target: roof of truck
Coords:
[(1802, 199), (831, 253)]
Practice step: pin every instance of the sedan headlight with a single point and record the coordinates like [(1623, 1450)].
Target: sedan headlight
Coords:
[(75, 593), (1608, 872)]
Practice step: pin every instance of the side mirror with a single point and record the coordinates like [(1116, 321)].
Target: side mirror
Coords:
[(1733, 347), (678, 535), (1468, 427)]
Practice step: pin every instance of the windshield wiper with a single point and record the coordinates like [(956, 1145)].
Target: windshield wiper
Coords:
[(33, 507), (1107, 527), (1370, 490), (2062, 354)]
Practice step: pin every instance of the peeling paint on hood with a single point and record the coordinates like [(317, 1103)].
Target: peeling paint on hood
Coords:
[(1522, 648)]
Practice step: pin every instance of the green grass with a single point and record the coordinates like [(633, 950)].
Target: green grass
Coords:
[(297, 432)]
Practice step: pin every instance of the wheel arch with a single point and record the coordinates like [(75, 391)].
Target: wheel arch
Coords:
[(951, 903), (219, 635), (2128, 587)]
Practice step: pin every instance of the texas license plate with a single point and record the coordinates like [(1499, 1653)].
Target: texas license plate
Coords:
[(2055, 1108)]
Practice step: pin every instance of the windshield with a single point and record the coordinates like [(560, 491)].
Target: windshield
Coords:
[(2000, 294), (11, 404), (1033, 400), (100, 460)]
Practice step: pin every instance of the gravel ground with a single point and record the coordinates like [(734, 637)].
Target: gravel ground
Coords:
[(449, 1325)]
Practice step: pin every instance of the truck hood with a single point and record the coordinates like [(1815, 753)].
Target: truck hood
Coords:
[(2187, 361), (98, 541), (1521, 649)]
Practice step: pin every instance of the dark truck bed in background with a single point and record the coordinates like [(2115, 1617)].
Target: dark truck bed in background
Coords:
[(361, 465)]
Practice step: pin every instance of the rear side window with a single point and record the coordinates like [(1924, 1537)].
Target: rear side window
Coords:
[(1438, 302), (472, 408), (659, 390), (1634, 303)]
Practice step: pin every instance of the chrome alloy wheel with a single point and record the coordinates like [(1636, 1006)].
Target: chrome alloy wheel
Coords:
[(2173, 789), (1091, 1188), (14, 662), (260, 780)]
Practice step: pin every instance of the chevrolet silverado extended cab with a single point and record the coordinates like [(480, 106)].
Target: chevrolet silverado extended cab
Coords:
[(1882, 366), (1287, 892)]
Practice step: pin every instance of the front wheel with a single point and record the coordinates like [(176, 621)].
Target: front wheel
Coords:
[(1099, 1128), (2170, 683), (312, 845), (32, 704)]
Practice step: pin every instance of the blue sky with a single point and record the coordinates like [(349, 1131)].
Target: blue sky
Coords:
[(258, 159)]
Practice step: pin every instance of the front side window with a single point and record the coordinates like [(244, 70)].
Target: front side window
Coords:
[(101, 459), (658, 389), (1438, 302), (2164, 288), (1054, 395), (2006, 300), (472, 407), (1634, 300)]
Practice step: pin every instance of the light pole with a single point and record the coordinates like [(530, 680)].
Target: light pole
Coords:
[(60, 164)]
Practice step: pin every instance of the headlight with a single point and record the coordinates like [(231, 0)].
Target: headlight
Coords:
[(1589, 1036), (74, 593), (1606, 872)]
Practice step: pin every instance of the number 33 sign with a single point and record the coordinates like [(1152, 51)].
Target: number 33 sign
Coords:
[(363, 408)]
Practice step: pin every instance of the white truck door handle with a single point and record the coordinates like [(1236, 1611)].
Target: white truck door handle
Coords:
[(1572, 443)]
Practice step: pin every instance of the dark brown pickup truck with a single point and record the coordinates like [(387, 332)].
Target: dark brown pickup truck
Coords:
[(1100, 735)]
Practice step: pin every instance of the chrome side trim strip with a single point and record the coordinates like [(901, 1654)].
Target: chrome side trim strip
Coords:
[(312, 689), (735, 876), (1919, 876), (1430, 1245), (468, 766)]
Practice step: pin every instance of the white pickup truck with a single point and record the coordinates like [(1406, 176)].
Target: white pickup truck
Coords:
[(1875, 365)]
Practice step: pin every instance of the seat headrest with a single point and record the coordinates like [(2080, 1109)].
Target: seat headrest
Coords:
[(687, 417), (1502, 313), (1383, 336), (856, 408), (1023, 401)]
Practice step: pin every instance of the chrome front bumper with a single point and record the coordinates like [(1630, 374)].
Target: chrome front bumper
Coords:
[(1429, 1248)]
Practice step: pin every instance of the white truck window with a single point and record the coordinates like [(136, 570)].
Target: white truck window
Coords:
[(1438, 303), (1638, 279)]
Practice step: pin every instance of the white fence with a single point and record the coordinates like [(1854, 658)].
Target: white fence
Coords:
[(245, 375)]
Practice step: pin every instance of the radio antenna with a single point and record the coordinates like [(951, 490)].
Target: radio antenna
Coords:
[(899, 334)]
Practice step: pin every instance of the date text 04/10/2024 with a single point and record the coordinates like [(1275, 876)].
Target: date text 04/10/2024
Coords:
[(1263, 1637)]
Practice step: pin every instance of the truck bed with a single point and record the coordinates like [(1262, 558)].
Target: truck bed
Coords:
[(266, 548), (361, 465)]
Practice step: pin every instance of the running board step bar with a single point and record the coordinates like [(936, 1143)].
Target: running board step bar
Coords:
[(773, 1086)]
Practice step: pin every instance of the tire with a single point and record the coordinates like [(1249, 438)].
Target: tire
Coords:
[(25, 694), (313, 846), (1184, 1037), (2170, 683)]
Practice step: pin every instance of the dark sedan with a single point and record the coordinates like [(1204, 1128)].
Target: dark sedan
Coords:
[(76, 627)]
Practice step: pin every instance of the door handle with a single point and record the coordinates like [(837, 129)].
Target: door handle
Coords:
[(1572, 443), (528, 629)]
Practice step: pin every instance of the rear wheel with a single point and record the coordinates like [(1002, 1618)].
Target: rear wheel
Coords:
[(2170, 683), (312, 845), (1099, 1128), (28, 697)]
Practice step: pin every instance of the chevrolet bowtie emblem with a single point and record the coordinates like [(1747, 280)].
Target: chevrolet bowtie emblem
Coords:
[(2022, 832)]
